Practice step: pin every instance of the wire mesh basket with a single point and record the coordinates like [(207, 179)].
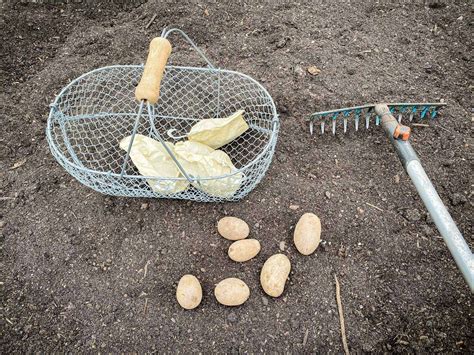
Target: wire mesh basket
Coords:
[(95, 111)]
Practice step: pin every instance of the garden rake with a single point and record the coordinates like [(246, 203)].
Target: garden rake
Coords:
[(384, 115)]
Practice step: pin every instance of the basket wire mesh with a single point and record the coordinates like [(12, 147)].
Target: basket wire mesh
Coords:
[(95, 111)]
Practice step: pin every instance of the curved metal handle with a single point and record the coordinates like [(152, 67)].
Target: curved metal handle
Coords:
[(166, 32)]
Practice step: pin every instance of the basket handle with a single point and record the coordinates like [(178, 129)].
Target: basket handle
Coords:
[(149, 86)]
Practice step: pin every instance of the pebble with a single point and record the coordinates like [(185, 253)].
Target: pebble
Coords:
[(328, 194), (232, 317), (144, 206), (265, 301), (294, 207), (282, 245)]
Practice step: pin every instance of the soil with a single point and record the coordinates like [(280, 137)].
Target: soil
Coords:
[(73, 261)]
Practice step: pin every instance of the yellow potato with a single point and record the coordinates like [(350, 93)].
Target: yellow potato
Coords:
[(189, 292), (274, 273), (232, 292), (233, 228), (307, 233), (244, 250)]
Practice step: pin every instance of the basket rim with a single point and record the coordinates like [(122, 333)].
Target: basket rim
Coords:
[(57, 153)]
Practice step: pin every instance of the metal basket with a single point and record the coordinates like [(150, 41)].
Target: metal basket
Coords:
[(91, 114)]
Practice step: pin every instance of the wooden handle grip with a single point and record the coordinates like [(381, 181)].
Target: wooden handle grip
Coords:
[(149, 86)]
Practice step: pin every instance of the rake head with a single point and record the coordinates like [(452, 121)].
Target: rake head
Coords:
[(357, 116)]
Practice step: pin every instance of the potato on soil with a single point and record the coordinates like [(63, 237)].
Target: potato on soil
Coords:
[(274, 273), (244, 250), (233, 228), (189, 292), (307, 233), (232, 292)]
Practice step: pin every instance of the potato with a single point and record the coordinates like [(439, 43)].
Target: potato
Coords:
[(189, 292), (243, 250), (233, 228), (307, 233), (274, 273), (232, 292)]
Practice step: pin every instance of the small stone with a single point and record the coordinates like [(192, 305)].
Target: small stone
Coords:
[(360, 210), (396, 178), (314, 70), (144, 206), (458, 199), (294, 207), (328, 195), (265, 301), (203, 270), (282, 245), (232, 317)]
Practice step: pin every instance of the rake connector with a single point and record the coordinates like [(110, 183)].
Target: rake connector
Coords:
[(399, 137)]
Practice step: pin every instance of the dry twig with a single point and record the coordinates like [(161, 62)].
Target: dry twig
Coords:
[(151, 21), (341, 316), (371, 205)]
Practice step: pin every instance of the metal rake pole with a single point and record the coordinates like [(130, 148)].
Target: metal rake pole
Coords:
[(399, 135)]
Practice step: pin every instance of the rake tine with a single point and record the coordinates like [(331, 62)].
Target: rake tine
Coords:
[(367, 119), (412, 113), (322, 127), (424, 111), (400, 113), (311, 127), (357, 121), (346, 113), (334, 123)]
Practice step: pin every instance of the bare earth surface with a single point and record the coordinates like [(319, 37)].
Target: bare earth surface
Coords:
[(72, 263)]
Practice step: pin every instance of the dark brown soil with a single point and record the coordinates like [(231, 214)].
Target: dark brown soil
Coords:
[(72, 265)]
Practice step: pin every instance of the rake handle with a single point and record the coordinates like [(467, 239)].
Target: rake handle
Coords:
[(444, 222), (149, 86)]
